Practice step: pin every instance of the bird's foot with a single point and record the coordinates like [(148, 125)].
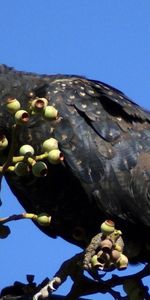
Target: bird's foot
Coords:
[(52, 285), (71, 267)]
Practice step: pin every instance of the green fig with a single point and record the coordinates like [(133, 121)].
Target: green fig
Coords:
[(13, 105), (39, 169), (43, 219), (50, 144), (21, 169), (39, 104), (55, 156), (107, 227), (3, 142), (21, 116), (122, 262), (50, 113), (94, 262), (26, 149)]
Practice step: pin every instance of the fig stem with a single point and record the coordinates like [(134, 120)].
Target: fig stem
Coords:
[(41, 156), (31, 161), (18, 217), (16, 159)]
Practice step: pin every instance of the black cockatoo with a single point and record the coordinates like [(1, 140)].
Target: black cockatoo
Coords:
[(104, 150)]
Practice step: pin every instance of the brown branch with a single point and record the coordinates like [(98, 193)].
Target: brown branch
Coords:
[(73, 268), (88, 286), (116, 280), (84, 286), (17, 217), (29, 297)]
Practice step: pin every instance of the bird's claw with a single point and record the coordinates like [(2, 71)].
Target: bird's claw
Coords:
[(51, 285), (42, 294), (37, 295), (48, 289)]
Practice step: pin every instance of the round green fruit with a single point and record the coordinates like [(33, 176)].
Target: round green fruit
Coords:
[(39, 104), (107, 227), (122, 262), (13, 105), (43, 219), (94, 261), (26, 149), (50, 144), (50, 113), (22, 116), (21, 169), (39, 169), (55, 156)]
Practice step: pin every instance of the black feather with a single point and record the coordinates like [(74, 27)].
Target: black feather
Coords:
[(105, 140)]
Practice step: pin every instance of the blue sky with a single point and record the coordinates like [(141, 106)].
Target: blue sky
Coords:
[(101, 39)]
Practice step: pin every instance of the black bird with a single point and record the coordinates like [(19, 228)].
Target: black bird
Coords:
[(104, 138)]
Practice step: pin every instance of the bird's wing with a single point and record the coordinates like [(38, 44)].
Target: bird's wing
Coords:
[(105, 140), (102, 135)]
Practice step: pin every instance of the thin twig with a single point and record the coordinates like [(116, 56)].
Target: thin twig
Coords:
[(17, 217)]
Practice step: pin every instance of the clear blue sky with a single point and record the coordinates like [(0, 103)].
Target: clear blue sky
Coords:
[(107, 40)]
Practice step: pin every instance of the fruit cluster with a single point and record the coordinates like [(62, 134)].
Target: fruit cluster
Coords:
[(27, 161), (110, 248)]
